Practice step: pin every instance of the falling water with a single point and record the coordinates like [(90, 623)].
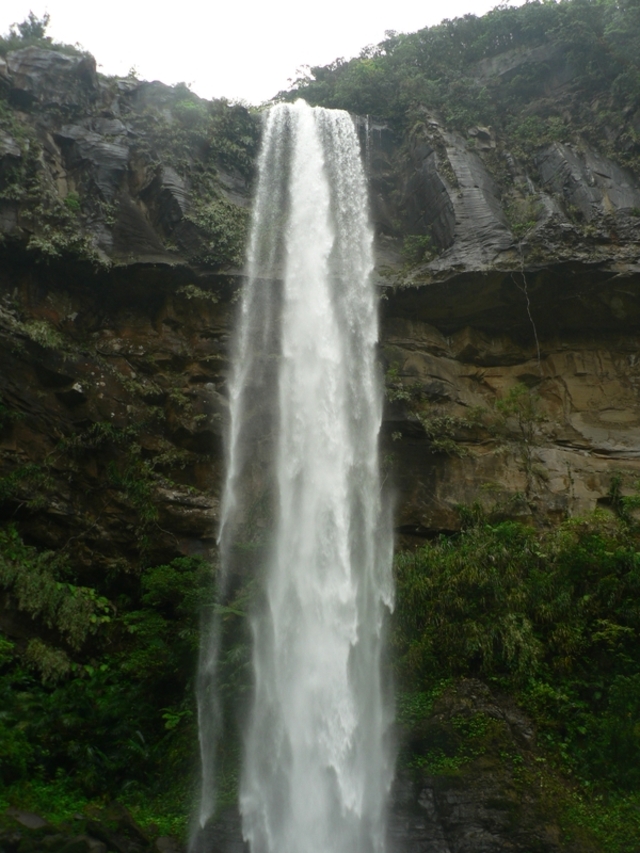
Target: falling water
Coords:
[(306, 409)]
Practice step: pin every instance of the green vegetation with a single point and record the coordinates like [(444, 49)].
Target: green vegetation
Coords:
[(517, 427), (552, 618), (226, 138), (417, 248), (171, 127), (96, 700), (32, 33), (105, 708), (72, 201), (192, 291), (226, 227), (44, 333), (106, 704), (53, 221), (454, 70), (522, 214), (514, 422)]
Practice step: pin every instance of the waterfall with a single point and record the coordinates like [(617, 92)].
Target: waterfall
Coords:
[(305, 407)]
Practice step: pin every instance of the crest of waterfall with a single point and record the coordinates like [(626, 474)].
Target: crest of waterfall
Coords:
[(305, 406)]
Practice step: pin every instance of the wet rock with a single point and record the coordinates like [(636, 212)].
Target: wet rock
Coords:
[(427, 198), (115, 841), (134, 238), (111, 830), (187, 515), (168, 198), (483, 137), (54, 843), (223, 835)]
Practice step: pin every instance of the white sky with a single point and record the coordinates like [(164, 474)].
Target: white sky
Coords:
[(239, 49)]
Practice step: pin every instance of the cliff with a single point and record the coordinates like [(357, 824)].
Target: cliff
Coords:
[(116, 313), (123, 215), (510, 311), (550, 303)]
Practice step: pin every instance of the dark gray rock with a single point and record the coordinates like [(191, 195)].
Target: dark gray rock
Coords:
[(167, 197), (109, 126), (50, 78), (449, 194), (482, 807), (9, 219), (73, 396), (53, 843), (118, 842), (10, 157), (481, 226), (87, 152), (134, 237), (414, 825), (427, 199), (592, 183)]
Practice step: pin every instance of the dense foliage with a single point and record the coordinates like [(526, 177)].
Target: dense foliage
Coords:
[(103, 700), (552, 617), (542, 71)]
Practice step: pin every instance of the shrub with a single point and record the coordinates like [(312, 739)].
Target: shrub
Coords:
[(551, 616)]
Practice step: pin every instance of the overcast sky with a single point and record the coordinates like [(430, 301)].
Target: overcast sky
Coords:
[(240, 49)]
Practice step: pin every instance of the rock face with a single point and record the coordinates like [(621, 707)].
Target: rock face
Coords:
[(122, 218), (112, 830), (118, 170), (583, 376), (484, 210), (94, 373), (529, 278), (497, 807), (47, 78)]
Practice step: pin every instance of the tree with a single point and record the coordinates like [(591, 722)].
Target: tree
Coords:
[(31, 27)]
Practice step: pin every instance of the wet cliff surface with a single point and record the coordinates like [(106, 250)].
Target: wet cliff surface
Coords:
[(123, 211)]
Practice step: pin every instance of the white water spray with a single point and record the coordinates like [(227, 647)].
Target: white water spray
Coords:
[(317, 768)]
